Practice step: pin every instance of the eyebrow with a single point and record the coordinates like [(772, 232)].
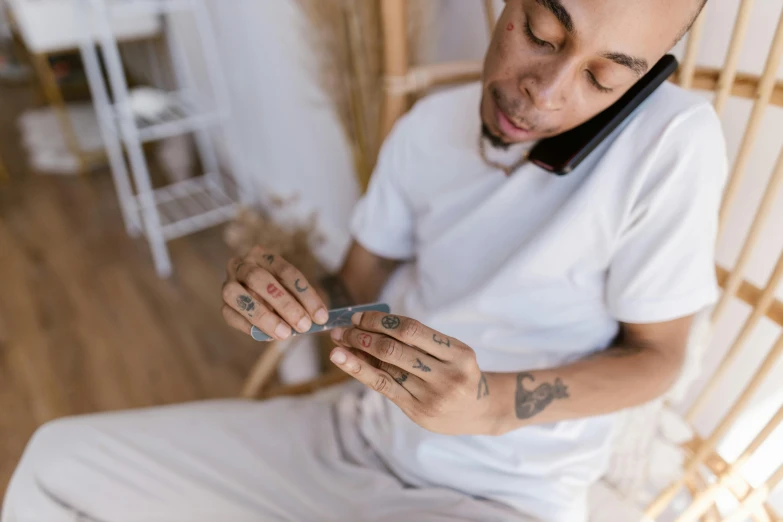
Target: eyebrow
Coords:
[(637, 65), (560, 12)]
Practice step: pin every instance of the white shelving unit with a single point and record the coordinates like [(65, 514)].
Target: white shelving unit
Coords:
[(182, 208)]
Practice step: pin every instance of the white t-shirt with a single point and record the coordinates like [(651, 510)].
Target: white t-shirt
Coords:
[(535, 270)]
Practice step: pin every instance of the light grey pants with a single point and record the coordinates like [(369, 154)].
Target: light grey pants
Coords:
[(229, 460)]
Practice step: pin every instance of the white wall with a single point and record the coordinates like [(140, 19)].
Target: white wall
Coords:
[(287, 136)]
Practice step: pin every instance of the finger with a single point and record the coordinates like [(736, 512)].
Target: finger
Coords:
[(231, 268), (235, 320), (405, 379), (391, 351), (410, 332), (366, 357), (374, 378), (295, 282), (337, 337), (264, 283), (250, 307)]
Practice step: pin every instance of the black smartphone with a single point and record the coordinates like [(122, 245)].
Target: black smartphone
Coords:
[(562, 153)]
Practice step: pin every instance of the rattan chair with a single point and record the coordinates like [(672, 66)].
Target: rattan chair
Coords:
[(706, 474)]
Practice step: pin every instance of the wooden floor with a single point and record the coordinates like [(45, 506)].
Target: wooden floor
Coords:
[(85, 324)]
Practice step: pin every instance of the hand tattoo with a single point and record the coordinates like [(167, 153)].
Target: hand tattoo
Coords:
[(438, 340), (269, 258), (246, 303), (421, 366), (299, 288), (390, 322), (532, 402), (483, 387), (402, 378)]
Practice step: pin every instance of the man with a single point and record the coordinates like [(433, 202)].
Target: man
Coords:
[(527, 308)]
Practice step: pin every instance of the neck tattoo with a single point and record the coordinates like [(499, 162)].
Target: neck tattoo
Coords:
[(507, 169)]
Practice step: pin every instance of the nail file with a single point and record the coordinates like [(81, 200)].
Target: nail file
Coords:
[(338, 317)]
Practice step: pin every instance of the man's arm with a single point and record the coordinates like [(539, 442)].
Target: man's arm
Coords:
[(360, 279), (641, 365), (436, 380)]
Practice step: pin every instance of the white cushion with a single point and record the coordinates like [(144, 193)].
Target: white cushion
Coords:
[(607, 505)]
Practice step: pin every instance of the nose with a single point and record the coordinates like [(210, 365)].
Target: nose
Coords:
[(548, 85)]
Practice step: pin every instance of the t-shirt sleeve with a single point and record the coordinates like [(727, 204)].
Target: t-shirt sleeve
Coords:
[(382, 221), (664, 265)]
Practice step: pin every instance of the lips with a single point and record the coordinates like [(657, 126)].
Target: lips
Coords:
[(510, 129)]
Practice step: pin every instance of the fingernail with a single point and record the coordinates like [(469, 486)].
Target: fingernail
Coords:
[(337, 334), (282, 331), (357, 317), (338, 357), (321, 316), (304, 324)]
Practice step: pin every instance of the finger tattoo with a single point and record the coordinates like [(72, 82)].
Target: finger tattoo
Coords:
[(390, 322), (299, 288), (483, 387), (246, 303), (402, 378), (273, 290), (365, 339), (438, 340), (269, 258), (421, 366)]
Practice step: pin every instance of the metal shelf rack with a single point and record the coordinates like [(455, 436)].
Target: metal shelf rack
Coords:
[(181, 208)]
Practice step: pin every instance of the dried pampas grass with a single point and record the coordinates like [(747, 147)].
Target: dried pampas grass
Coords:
[(346, 39), (294, 243)]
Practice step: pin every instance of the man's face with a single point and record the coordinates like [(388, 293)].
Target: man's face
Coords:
[(554, 64)]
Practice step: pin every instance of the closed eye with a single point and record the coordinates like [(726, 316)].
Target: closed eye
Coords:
[(596, 84), (534, 39)]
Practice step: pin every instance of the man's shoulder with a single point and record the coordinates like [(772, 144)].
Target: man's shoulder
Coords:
[(673, 123), (465, 97), (449, 116), (674, 109), (674, 141)]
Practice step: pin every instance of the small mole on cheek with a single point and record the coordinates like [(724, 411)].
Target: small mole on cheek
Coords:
[(510, 27)]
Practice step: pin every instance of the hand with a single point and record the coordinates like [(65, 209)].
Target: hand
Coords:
[(434, 379), (265, 290)]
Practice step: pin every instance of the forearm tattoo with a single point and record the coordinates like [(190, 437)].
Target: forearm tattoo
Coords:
[(483, 387), (335, 289), (532, 402)]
